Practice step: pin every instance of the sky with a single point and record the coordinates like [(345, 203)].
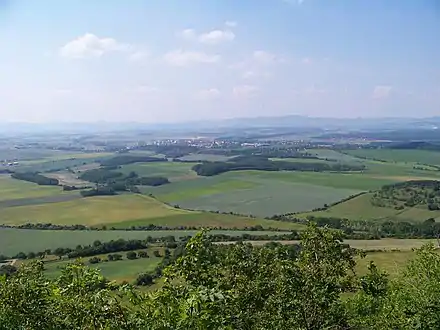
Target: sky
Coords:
[(182, 60)]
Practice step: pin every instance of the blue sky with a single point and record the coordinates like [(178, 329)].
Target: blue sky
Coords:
[(180, 60)]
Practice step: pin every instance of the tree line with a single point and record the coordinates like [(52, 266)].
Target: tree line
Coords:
[(109, 182), (126, 159), (35, 178), (121, 245), (262, 163), (240, 286)]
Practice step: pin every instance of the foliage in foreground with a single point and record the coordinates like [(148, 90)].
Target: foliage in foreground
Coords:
[(234, 287)]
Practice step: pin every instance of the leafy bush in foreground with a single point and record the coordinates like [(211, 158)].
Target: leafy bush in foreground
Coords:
[(234, 287)]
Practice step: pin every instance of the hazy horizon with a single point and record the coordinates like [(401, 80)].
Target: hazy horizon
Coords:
[(186, 61)]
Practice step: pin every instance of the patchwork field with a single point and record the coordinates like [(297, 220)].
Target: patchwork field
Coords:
[(174, 171), (118, 271), (360, 208), (13, 241), (386, 244), (398, 155), (123, 211), (11, 189), (205, 157), (265, 193)]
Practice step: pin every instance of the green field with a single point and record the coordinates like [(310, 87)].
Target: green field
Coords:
[(13, 241), (265, 193), (391, 262), (125, 210), (360, 208), (174, 171), (398, 155), (205, 157), (11, 189)]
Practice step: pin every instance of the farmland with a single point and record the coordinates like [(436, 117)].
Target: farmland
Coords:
[(175, 171), (398, 155), (12, 189), (265, 193), (121, 211), (118, 271), (13, 241)]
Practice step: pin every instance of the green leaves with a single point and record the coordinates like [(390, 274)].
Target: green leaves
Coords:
[(212, 286)]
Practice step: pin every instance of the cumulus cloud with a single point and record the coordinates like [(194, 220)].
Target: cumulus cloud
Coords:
[(213, 37), (381, 91), (138, 56), (188, 34), (244, 91), (90, 45), (185, 58)]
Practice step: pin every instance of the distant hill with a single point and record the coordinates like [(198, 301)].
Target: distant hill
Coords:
[(291, 121)]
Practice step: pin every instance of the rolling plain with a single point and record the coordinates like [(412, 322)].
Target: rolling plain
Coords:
[(233, 201)]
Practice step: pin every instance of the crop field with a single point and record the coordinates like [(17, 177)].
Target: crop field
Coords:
[(360, 208), (174, 171), (28, 154), (385, 244), (59, 164), (13, 241), (68, 178), (332, 154), (125, 210), (11, 189), (398, 155), (266, 193), (91, 211), (205, 157), (256, 192), (392, 262), (118, 271)]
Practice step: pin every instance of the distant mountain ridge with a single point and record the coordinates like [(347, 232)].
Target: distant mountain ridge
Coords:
[(292, 121)]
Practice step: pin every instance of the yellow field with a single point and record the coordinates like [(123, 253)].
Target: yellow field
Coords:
[(90, 211)]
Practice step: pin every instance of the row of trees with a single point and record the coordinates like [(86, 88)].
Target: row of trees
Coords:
[(264, 164), (98, 247), (125, 159), (234, 287), (36, 178)]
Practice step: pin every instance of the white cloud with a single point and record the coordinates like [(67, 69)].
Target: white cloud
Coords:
[(216, 37), (188, 34), (213, 37), (244, 91), (208, 94), (138, 56), (381, 91), (90, 45), (185, 58), (307, 60), (231, 24), (265, 57)]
